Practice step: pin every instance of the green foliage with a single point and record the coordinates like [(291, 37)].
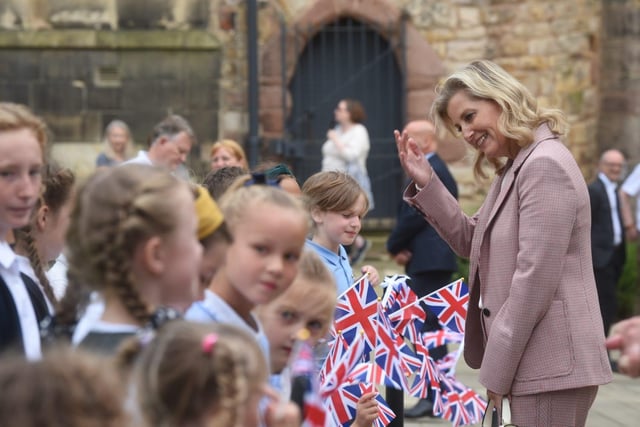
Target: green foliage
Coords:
[(463, 270), (627, 289)]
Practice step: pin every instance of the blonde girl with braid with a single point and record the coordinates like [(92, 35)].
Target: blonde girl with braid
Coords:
[(268, 227), (132, 240), (200, 375), (41, 241)]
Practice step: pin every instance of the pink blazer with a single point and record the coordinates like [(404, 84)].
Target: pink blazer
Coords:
[(539, 327)]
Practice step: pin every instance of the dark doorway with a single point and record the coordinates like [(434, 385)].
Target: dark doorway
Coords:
[(348, 59)]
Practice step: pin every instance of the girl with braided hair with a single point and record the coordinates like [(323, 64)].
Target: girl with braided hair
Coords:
[(23, 138), (132, 240), (198, 374), (41, 241)]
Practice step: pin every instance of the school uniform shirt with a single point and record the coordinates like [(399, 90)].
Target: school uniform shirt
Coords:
[(18, 317), (25, 267), (105, 337), (89, 318), (57, 276), (338, 264), (213, 309)]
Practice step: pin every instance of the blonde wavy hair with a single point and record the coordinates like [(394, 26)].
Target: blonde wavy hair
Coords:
[(520, 113)]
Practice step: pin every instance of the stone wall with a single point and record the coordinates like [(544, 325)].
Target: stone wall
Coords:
[(554, 46), (81, 64), (619, 124), (551, 46)]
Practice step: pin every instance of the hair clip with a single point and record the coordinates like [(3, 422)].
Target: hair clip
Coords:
[(278, 171), (208, 342), (163, 315), (259, 178)]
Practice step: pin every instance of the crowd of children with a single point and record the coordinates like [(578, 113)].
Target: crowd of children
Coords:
[(165, 306)]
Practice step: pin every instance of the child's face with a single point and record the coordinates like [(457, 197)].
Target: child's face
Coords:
[(20, 178), (307, 304), (339, 228), (182, 255), (262, 261)]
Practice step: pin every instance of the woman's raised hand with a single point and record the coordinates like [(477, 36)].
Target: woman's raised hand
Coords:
[(413, 161)]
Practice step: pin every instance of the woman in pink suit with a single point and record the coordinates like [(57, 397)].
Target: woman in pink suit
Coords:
[(533, 323)]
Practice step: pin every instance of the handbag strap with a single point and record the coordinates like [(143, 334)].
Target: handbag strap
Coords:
[(506, 412), (505, 421)]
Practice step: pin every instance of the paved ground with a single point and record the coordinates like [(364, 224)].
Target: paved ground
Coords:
[(617, 403)]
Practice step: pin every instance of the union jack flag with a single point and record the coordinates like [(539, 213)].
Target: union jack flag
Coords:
[(368, 372), (388, 353), (454, 410), (357, 309), (474, 404), (408, 321), (427, 377), (340, 362), (385, 414), (440, 337), (449, 303), (303, 365), (342, 402), (354, 392), (314, 411), (398, 293)]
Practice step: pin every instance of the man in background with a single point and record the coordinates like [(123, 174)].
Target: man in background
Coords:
[(415, 244), (607, 233), (169, 144)]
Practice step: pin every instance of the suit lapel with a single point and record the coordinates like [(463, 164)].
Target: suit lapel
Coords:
[(500, 188)]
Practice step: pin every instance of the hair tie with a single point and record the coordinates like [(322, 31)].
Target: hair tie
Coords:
[(163, 315), (208, 342), (145, 336)]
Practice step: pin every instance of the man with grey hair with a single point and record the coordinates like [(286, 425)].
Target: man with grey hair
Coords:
[(607, 233), (169, 144)]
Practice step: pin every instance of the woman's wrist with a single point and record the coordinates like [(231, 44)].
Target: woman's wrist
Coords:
[(420, 187)]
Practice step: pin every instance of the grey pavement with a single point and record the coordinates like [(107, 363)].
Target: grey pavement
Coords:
[(617, 403)]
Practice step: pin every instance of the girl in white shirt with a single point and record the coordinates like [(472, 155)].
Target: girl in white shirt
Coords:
[(23, 137)]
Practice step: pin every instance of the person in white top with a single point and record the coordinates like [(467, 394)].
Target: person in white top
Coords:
[(346, 150), (23, 138), (42, 240), (630, 190), (169, 144)]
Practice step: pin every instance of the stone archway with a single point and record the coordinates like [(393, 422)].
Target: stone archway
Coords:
[(423, 66)]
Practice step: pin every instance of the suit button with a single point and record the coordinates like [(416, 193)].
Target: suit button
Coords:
[(486, 312)]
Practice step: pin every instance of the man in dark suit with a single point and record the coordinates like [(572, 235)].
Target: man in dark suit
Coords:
[(414, 243), (607, 232)]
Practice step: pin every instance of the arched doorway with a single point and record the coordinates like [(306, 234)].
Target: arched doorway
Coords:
[(420, 70), (348, 59)]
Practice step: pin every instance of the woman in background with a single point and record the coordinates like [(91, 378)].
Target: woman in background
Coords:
[(117, 141), (227, 152), (346, 150)]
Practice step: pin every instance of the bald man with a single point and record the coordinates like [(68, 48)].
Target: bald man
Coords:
[(607, 233), (415, 244)]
